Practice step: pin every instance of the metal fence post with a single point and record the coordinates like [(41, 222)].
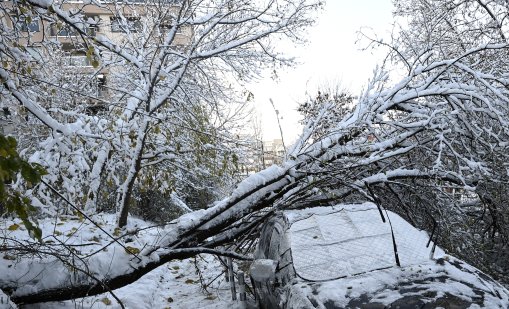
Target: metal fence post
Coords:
[(242, 286), (232, 278), (226, 271)]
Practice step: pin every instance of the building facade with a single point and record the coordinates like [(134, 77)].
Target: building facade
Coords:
[(56, 44)]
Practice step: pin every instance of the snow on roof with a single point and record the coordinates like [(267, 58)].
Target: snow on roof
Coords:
[(344, 240)]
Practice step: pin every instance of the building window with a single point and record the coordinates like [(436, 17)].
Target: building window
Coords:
[(92, 25), (167, 24), (28, 24), (131, 24), (101, 85), (95, 107), (78, 61), (65, 31), (91, 31)]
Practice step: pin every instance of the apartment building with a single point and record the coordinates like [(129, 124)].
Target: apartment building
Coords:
[(273, 152), (113, 20), (116, 21), (262, 155)]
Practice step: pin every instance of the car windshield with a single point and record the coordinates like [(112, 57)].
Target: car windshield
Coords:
[(328, 244)]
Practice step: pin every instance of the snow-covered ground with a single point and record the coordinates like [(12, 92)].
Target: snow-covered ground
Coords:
[(174, 285), (199, 282), (178, 284), (5, 302)]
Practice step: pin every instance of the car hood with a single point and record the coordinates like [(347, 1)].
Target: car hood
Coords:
[(446, 282)]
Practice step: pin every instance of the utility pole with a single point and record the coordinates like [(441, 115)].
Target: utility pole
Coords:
[(263, 155), (279, 124)]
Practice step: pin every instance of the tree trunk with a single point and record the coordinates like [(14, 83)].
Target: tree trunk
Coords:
[(91, 288), (95, 183), (127, 188)]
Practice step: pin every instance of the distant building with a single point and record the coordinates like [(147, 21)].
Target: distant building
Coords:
[(263, 154), (273, 152), (252, 161)]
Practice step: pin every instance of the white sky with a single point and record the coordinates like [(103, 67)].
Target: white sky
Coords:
[(331, 56)]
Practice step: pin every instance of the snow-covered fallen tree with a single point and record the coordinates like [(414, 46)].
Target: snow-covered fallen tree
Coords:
[(443, 125), (448, 119)]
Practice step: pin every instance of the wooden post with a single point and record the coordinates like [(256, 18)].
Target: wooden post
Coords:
[(232, 278), (242, 286)]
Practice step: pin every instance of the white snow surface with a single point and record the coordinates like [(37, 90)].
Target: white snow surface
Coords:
[(5, 302), (388, 285), (173, 285), (346, 253), (344, 240)]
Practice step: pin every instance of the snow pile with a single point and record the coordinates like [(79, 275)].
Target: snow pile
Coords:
[(173, 285), (447, 278)]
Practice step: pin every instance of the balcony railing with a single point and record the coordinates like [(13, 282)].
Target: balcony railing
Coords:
[(69, 32)]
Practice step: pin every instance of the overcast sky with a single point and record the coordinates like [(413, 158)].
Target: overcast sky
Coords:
[(331, 56)]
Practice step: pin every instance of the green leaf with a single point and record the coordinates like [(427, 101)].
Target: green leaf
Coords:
[(132, 250), (13, 227), (90, 52), (29, 173), (11, 164)]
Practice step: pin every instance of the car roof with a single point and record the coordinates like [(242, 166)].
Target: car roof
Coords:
[(348, 239)]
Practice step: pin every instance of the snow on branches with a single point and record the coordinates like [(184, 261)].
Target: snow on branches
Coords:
[(134, 97), (442, 127)]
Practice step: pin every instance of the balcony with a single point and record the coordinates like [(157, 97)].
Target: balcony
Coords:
[(68, 32)]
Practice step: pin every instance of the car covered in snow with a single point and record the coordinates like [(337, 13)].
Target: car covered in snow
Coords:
[(360, 256)]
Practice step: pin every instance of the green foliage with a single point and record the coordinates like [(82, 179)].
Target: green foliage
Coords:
[(11, 164), (132, 250)]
